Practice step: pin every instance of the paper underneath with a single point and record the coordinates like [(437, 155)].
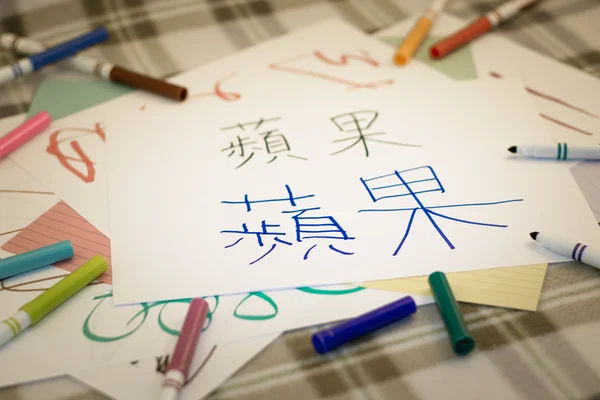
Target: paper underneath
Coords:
[(587, 176), (567, 99), (510, 287), (142, 379), (60, 223)]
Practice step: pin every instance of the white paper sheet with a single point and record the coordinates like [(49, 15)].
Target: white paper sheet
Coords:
[(187, 182), (22, 198), (142, 379), (92, 333), (119, 381), (301, 62), (567, 99)]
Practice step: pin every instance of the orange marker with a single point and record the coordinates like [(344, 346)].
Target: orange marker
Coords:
[(478, 27), (419, 31)]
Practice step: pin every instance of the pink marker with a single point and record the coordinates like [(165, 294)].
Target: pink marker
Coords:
[(179, 367), (28, 129)]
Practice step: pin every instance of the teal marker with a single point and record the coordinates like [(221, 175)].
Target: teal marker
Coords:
[(461, 339), (557, 151), (35, 259), (31, 313)]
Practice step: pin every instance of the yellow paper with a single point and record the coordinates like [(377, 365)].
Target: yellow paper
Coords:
[(511, 287)]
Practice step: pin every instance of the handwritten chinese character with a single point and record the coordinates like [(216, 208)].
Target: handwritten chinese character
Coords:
[(307, 227), (411, 183), (291, 66), (272, 142), (357, 123)]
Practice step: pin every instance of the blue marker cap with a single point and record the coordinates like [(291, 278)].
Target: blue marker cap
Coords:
[(69, 48), (328, 339), (34, 259)]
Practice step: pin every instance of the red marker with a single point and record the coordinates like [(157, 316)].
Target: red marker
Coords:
[(478, 27), (178, 370)]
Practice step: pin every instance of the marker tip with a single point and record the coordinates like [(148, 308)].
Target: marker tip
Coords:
[(533, 235), (512, 149)]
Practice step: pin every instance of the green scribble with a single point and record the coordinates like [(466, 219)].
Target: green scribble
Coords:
[(161, 323), (143, 313), (87, 332), (251, 317), (330, 292)]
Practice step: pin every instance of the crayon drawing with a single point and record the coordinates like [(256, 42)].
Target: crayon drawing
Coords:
[(80, 165), (556, 100), (310, 64)]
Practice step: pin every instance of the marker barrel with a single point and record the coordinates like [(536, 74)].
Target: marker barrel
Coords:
[(188, 338), (21, 134), (11, 327), (460, 338), (68, 48), (34, 259), (328, 339), (460, 38), (156, 86), (103, 70), (570, 248), (413, 41), (64, 289), (509, 10), (31, 313), (560, 151)]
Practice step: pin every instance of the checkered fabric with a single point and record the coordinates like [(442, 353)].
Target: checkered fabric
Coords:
[(550, 354)]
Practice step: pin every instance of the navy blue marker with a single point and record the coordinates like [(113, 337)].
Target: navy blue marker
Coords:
[(328, 339), (28, 65)]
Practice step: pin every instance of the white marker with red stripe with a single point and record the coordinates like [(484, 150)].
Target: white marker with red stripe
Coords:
[(568, 248)]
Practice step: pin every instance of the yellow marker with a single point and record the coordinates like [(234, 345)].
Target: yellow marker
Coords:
[(419, 31)]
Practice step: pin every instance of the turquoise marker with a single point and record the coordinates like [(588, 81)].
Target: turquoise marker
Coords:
[(32, 312), (35, 259)]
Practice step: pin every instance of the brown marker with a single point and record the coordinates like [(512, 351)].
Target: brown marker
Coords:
[(143, 82), (104, 71)]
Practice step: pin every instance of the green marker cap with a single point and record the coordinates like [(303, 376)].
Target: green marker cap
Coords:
[(461, 339), (63, 290)]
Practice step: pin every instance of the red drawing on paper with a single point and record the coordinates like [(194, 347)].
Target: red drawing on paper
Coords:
[(218, 91), (70, 162), (143, 107), (339, 61), (556, 100)]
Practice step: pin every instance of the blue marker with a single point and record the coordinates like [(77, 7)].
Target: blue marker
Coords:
[(52, 55), (328, 339), (34, 259)]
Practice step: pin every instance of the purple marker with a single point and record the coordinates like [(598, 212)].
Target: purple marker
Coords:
[(328, 339), (178, 370)]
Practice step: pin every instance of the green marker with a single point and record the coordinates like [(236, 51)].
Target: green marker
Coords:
[(31, 313), (461, 339)]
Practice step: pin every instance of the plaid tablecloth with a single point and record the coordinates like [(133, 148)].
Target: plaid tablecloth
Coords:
[(552, 353)]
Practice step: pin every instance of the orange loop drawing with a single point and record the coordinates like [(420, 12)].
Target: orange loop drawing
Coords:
[(218, 92), (68, 161)]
